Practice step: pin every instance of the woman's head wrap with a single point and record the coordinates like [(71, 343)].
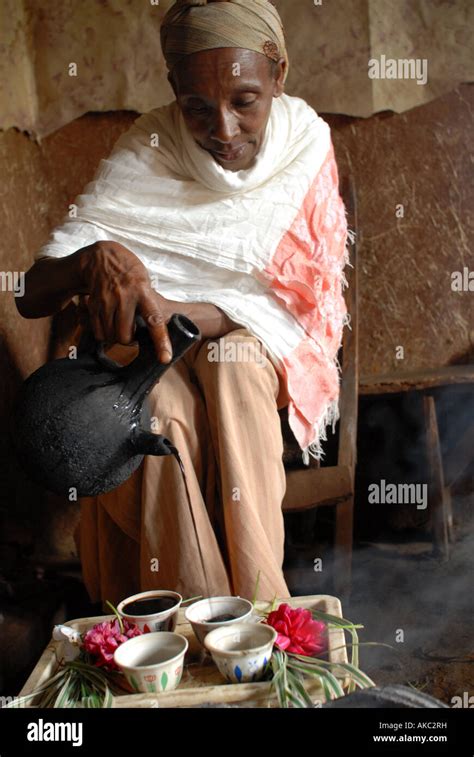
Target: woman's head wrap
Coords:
[(191, 26)]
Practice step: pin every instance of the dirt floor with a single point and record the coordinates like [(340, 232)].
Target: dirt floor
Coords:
[(401, 591)]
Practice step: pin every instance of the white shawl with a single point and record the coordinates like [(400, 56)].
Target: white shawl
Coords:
[(267, 245)]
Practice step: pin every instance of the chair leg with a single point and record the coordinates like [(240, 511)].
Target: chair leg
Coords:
[(343, 547), (438, 503)]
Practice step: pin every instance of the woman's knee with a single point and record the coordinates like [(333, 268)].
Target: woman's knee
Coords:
[(237, 348)]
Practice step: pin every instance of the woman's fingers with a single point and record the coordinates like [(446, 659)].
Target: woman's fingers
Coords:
[(125, 322), (96, 321), (107, 316), (152, 313)]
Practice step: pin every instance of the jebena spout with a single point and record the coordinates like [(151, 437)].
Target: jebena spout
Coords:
[(147, 443)]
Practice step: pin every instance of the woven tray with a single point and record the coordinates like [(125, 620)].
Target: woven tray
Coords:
[(201, 683)]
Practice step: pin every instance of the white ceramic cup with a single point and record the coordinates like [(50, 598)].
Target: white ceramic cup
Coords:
[(153, 661), (241, 651), (199, 613), (158, 621)]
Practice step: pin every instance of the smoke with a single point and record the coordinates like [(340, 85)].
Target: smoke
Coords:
[(402, 593)]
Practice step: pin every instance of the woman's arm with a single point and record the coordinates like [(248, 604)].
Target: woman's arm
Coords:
[(117, 285), (49, 285), (210, 319)]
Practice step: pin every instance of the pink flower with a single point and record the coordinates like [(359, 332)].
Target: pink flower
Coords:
[(102, 640), (297, 631)]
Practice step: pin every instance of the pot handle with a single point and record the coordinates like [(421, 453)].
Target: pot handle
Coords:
[(182, 331), (141, 332), (105, 361)]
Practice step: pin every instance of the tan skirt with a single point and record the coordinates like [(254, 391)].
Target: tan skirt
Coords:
[(222, 415)]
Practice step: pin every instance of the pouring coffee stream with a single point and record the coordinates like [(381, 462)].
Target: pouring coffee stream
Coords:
[(191, 512), (81, 426)]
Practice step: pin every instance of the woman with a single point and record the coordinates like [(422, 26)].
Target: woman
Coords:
[(223, 206)]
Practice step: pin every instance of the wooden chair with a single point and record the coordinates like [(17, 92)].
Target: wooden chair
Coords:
[(333, 486), (442, 473)]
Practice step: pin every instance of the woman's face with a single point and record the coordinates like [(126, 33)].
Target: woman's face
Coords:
[(225, 96)]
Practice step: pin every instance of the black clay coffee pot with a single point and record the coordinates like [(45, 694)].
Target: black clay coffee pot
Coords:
[(83, 424)]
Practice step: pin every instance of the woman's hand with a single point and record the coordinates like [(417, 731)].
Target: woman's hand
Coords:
[(118, 286)]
